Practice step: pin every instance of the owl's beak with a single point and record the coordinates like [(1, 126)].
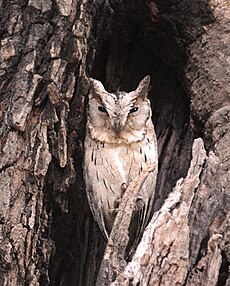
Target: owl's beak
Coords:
[(117, 127)]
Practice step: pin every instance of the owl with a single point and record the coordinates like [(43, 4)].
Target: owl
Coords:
[(120, 142)]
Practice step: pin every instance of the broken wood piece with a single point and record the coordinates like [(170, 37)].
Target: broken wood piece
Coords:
[(162, 256), (113, 261)]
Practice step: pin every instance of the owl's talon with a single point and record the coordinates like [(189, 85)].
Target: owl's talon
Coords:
[(115, 211), (123, 187), (116, 203)]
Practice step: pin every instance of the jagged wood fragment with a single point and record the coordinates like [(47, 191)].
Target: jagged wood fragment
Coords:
[(162, 257), (113, 261)]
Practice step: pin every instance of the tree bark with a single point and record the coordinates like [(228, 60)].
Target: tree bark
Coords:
[(47, 233), (162, 257)]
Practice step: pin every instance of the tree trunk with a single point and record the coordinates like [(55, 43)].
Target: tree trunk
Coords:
[(48, 48)]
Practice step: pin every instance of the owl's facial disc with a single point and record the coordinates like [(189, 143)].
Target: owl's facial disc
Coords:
[(119, 119), (116, 109), (118, 116)]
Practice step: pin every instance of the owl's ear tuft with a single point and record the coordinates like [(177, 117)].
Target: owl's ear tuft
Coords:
[(96, 88), (144, 86)]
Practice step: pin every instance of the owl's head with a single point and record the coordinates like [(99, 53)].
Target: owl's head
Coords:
[(120, 117)]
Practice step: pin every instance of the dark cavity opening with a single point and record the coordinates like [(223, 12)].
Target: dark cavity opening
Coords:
[(142, 44), (139, 43)]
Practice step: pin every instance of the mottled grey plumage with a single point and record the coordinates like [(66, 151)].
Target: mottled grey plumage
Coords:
[(120, 142)]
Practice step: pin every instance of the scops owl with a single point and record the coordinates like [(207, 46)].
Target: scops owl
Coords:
[(120, 142)]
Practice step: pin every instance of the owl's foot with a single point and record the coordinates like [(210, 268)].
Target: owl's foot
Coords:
[(117, 203), (116, 206), (124, 186)]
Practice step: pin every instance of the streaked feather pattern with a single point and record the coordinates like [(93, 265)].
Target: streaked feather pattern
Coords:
[(120, 142)]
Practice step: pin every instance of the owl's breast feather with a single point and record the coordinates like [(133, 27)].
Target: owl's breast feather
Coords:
[(120, 165), (108, 166)]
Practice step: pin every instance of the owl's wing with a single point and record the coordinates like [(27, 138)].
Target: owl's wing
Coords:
[(137, 227), (141, 216), (96, 208)]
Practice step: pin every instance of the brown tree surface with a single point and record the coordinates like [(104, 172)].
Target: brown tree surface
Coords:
[(48, 48)]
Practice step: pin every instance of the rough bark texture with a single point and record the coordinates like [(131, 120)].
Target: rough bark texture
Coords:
[(47, 234), (163, 259)]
